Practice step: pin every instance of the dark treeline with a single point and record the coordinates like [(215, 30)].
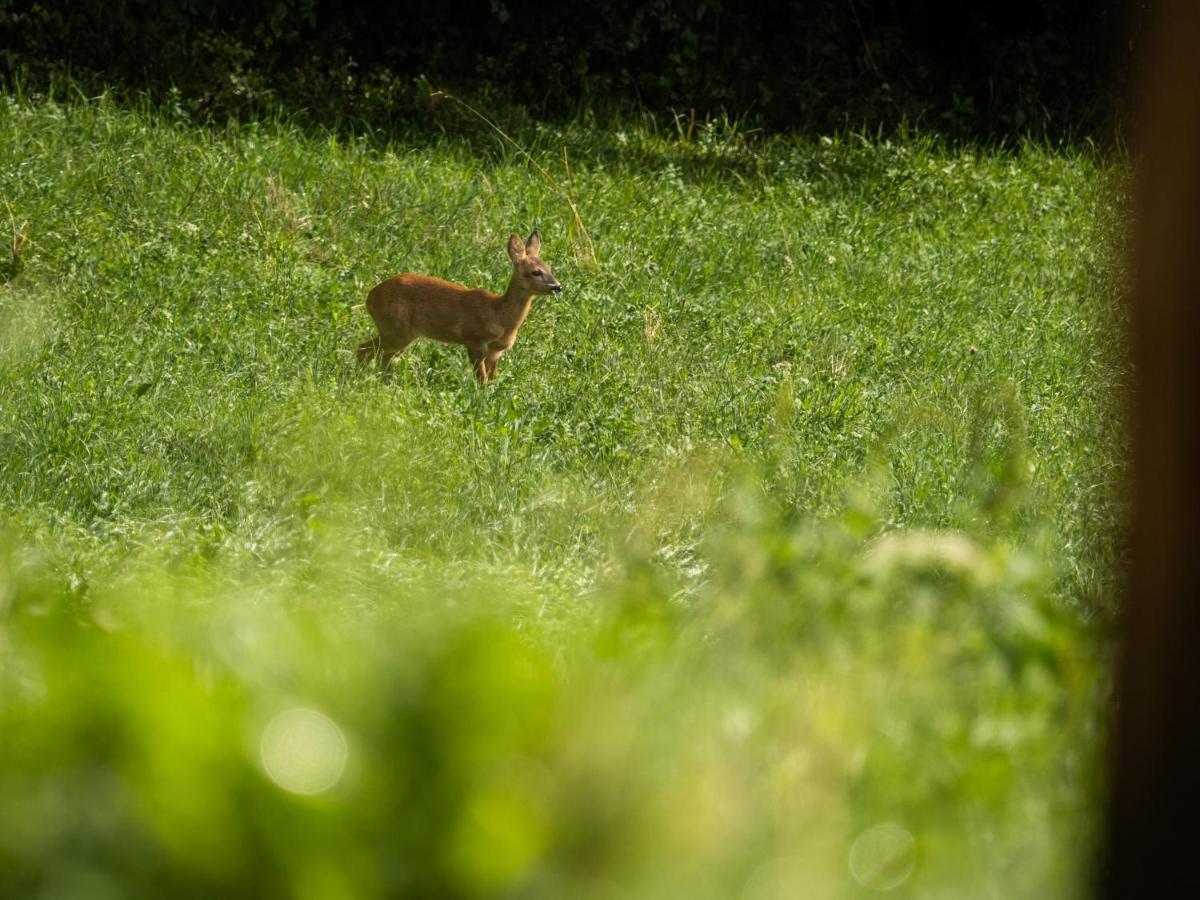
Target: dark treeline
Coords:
[(990, 68)]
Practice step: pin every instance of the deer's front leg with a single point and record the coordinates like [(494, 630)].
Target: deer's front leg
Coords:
[(492, 358), (478, 357)]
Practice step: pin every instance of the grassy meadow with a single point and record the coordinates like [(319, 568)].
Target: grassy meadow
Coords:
[(778, 561)]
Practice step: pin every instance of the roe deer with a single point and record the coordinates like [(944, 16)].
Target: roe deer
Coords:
[(410, 306)]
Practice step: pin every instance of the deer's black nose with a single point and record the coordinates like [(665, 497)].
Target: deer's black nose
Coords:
[(556, 288)]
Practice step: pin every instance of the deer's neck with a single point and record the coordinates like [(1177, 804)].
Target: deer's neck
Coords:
[(514, 305)]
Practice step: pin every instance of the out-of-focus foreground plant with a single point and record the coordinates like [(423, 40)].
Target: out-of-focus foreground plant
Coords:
[(812, 709)]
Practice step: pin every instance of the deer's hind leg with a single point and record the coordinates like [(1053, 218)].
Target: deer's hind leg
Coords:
[(389, 351), (368, 350), (383, 347)]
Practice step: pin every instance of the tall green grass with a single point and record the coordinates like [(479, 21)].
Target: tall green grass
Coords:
[(771, 563)]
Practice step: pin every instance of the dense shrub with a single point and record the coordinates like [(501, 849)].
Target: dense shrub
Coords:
[(991, 68)]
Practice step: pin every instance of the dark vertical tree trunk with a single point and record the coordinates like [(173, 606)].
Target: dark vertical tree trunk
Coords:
[(1154, 813)]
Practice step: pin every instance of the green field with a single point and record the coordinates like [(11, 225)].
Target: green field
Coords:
[(778, 562)]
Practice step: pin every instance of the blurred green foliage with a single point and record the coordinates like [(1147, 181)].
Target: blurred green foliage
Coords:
[(816, 684)]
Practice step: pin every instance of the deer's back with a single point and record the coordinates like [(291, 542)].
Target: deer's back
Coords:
[(432, 307)]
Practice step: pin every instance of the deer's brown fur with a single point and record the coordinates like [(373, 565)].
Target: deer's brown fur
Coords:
[(410, 306)]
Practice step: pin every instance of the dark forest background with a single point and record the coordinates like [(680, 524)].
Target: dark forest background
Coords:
[(992, 68)]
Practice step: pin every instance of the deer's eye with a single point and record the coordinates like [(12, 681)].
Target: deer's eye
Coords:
[(537, 273)]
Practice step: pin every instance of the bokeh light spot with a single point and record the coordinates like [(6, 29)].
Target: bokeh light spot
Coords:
[(303, 751), (883, 857)]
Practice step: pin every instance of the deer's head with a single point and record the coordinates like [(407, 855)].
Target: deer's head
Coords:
[(528, 269)]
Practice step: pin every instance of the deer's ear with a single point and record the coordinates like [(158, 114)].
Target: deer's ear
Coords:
[(516, 250), (533, 246)]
